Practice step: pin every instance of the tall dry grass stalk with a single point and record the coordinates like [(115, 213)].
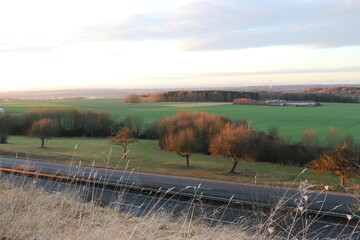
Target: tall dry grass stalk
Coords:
[(30, 213)]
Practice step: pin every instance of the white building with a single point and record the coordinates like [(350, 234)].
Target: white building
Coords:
[(290, 103), (2, 111)]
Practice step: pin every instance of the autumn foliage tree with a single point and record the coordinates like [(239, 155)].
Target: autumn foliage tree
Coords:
[(123, 138), (189, 132), (234, 142), (205, 126), (183, 143), (132, 98), (41, 129), (340, 161)]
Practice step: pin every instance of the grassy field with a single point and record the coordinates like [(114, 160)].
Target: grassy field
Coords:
[(145, 156), (291, 120)]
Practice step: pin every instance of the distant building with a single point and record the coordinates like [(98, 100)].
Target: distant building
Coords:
[(291, 103), (2, 111)]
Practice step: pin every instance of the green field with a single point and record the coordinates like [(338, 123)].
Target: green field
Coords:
[(145, 156), (291, 120)]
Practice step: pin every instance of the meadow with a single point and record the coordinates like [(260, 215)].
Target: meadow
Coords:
[(292, 121), (145, 156)]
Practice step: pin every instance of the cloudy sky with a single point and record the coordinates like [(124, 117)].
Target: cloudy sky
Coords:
[(177, 43)]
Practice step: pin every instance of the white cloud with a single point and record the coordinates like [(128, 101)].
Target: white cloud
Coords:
[(237, 24)]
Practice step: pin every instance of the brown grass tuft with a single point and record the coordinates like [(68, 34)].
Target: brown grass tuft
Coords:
[(30, 213)]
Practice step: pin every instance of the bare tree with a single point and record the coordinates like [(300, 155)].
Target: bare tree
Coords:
[(123, 139), (332, 137), (273, 132), (310, 138)]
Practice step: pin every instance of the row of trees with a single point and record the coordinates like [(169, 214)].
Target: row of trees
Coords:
[(192, 96), (316, 97), (198, 132), (336, 90), (70, 122), (229, 96), (319, 97)]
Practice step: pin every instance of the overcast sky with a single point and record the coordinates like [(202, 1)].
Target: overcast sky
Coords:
[(177, 43)]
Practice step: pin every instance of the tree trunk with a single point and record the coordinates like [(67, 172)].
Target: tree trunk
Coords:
[(187, 158), (42, 142), (124, 151), (235, 161), (342, 180)]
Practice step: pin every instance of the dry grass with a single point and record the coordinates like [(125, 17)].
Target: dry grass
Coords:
[(30, 213)]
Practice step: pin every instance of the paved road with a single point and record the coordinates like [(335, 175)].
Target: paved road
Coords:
[(325, 201)]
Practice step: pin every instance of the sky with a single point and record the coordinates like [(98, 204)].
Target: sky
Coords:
[(177, 43)]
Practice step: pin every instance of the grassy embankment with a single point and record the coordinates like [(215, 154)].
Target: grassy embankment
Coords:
[(145, 156), (30, 213), (292, 120)]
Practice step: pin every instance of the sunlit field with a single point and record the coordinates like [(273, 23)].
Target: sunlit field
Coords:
[(145, 156), (290, 120)]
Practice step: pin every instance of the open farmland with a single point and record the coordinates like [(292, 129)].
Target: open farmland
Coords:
[(293, 120)]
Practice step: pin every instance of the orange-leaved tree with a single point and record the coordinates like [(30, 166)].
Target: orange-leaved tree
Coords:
[(123, 138), (189, 132), (41, 129), (183, 143), (205, 125), (340, 161), (234, 142), (132, 98)]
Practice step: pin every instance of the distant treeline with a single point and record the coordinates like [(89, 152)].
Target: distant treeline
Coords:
[(336, 90), (229, 96), (66, 122), (194, 96), (70, 122), (316, 97), (319, 97)]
